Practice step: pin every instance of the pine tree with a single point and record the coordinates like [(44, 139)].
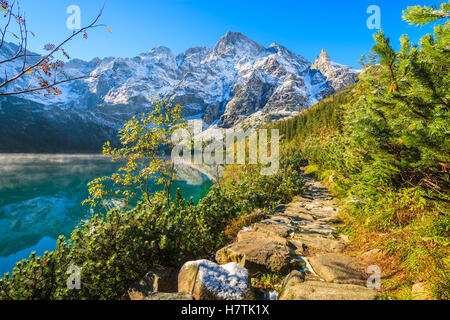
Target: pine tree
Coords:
[(403, 124)]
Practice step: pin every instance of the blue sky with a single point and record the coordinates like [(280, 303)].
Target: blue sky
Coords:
[(304, 27)]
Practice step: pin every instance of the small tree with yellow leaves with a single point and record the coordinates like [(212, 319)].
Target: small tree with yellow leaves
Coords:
[(145, 158)]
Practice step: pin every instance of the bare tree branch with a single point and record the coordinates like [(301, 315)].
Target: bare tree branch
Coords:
[(46, 65), (52, 85)]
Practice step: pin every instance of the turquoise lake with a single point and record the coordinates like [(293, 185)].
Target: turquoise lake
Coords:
[(41, 195)]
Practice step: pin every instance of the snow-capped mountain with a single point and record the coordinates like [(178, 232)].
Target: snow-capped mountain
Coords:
[(339, 75), (235, 81)]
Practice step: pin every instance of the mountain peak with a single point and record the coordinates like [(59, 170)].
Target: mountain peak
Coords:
[(322, 60), (278, 46), (235, 36), (159, 50), (339, 75), (232, 40), (324, 55)]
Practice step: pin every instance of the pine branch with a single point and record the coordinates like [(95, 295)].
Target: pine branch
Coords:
[(418, 15)]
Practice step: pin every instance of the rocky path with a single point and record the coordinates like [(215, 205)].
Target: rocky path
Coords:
[(298, 242), (330, 273)]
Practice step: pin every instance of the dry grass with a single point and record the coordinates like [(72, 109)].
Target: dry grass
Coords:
[(247, 220)]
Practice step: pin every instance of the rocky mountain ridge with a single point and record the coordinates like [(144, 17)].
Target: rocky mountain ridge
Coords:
[(235, 81)]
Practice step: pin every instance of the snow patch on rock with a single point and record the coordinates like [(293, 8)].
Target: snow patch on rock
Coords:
[(229, 281)]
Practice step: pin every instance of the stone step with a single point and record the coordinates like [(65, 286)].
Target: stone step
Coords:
[(318, 243), (295, 287), (337, 268), (317, 229), (273, 228), (260, 255)]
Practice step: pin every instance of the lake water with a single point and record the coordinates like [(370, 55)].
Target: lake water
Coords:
[(41, 195)]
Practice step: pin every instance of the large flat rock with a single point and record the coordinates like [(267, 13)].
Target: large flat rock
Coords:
[(298, 213), (259, 255), (319, 243), (274, 228), (206, 280), (317, 229), (321, 209), (337, 268), (296, 288), (279, 219)]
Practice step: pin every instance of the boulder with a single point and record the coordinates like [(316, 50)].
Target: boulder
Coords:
[(169, 296), (337, 268), (260, 255), (296, 288), (157, 279), (206, 280)]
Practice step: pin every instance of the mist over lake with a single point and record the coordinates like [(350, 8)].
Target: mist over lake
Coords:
[(41, 195)]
